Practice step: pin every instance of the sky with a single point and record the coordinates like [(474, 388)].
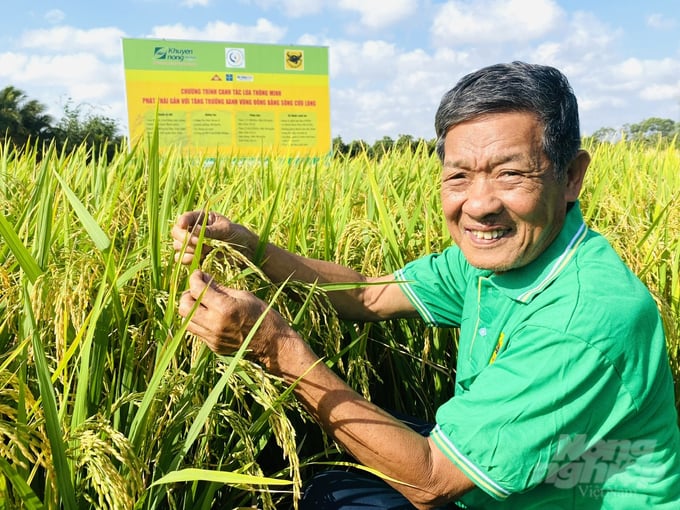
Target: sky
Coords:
[(390, 60)]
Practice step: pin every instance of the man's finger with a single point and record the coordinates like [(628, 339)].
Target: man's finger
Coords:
[(190, 219), (204, 287), (183, 245), (197, 286), (200, 314), (186, 303)]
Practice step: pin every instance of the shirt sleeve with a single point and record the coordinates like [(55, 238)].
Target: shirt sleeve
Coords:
[(436, 286), (506, 428)]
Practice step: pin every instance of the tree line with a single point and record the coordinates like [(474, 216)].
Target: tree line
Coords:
[(25, 121), (651, 131)]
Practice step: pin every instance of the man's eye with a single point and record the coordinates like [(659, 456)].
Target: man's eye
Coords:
[(510, 174), (455, 176)]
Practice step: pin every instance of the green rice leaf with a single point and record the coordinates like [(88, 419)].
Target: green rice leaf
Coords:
[(192, 474), (23, 256), (29, 500), (374, 472), (98, 236)]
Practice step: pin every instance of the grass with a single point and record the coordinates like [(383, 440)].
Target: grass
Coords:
[(106, 402)]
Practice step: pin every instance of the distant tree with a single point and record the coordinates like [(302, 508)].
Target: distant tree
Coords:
[(651, 129), (604, 134), (339, 147), (382, 147), (357, 147), (99, 133), (405, 142), (431, 145), (22, 119)]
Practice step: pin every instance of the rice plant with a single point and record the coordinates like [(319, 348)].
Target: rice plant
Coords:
[(106, 402)]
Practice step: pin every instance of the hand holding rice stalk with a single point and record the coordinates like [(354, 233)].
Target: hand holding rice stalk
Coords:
[(227, 318)]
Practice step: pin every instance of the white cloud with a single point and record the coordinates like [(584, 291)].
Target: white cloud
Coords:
[(380, 14), (364, 62), (650, 80), (490, 22), (661, 22), (589, 103), (194, 3), (300, 8), (388, 91), (587, 34), (643, 71), (55, 16), (56, 79), (264, 31), (661, 92), (378, 87), (81, 70), (581, 47), (290, 8), (547, 52), (628, 91), (101, 41)]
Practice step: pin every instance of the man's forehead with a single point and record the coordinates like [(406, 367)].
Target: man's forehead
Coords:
[(494, 159)]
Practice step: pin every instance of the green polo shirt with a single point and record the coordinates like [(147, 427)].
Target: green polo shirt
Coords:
[(564, 396)]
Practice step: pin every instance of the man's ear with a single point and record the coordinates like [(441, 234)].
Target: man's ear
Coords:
[(575, 173)]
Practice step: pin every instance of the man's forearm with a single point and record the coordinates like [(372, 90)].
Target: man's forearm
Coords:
[(372, 436), (280, 265)]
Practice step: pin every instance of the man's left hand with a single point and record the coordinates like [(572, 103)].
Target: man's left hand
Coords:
[(225, 317)]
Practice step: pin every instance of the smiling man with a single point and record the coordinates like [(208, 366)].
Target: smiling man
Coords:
[(564, 397)]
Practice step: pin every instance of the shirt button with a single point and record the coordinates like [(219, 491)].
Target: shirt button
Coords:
[(482, 331)]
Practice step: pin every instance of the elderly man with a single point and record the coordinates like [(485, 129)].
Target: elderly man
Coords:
[(564, 396)]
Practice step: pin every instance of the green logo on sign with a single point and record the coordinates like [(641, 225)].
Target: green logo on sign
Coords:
[(160, 52), (170, 54)]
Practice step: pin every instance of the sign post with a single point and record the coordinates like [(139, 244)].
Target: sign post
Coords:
[(229, 98)]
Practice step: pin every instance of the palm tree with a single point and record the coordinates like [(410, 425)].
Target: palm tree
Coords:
[(22, 119)]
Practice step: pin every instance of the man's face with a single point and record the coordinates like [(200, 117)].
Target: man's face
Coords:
[(502, 203)]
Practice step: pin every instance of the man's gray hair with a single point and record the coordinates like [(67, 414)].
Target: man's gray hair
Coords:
[(517, 87)]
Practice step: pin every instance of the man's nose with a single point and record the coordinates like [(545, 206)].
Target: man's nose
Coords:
[(482, 198)]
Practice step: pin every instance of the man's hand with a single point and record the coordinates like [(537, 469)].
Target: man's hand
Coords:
[(187, 228), (224, 317)]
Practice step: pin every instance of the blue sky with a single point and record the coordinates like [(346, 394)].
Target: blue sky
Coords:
[(391, 60)]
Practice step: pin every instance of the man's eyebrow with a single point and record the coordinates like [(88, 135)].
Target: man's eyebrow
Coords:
[(494, 161), (453, 164), (508, 158)]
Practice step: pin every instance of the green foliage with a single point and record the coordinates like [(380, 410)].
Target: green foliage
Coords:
[(22, 119), (651, 131), (381, 148), (98, 132)]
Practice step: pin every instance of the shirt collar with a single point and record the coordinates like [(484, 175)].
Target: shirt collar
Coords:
[(524, 283)]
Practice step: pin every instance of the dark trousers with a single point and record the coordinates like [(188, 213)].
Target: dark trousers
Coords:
[(353, 489), (349, 490)]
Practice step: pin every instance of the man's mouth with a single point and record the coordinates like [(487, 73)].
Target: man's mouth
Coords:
[(488, 235)]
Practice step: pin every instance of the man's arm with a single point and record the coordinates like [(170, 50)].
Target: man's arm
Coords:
[(373, 299), (415, 466)]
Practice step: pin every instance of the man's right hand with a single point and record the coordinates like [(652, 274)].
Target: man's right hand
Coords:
[(188, 226)]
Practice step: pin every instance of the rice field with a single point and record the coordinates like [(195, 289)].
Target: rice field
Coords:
[(105, 402)]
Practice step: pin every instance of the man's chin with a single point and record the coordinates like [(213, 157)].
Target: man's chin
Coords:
[(495, 266)]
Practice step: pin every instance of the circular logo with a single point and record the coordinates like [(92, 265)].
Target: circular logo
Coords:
[(235, 57)]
